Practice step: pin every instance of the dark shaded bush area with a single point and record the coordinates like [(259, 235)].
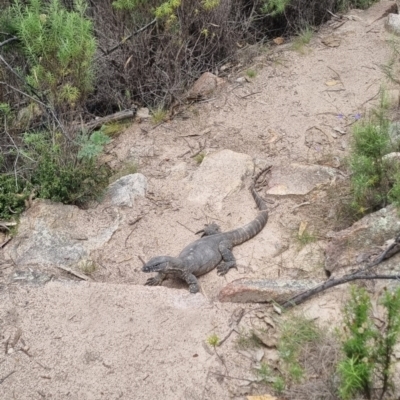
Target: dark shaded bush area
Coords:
[(155, 66)]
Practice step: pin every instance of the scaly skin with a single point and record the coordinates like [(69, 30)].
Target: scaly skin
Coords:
[(206, 253)]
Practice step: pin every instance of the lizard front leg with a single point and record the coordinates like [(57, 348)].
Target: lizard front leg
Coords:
[(229, 261), (157, 280)]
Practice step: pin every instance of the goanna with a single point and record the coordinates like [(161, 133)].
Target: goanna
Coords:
[(206, 253)]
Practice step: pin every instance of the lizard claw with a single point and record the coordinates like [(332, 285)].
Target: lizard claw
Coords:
[(223, 268), (193, 288), (152, 282)]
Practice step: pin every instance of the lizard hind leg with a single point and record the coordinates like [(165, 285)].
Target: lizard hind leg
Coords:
[(210, 229), (229, 260)]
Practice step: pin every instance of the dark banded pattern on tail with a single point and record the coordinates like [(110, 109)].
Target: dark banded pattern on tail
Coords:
[(241, 235)]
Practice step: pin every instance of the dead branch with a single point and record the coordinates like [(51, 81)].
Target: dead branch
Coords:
[(72, 272), (118, 116), (12, 39), (108, 52)]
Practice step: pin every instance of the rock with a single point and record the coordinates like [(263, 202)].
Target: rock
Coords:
[(392, 24), (310, 258), (392, 156), (219, 175), (204, 86), (350, 244), (331, 41), (263, 290), (57, 234), (143, 113), (297, 179), (242, 79), (123, 191), (30, 276), (394, 132)]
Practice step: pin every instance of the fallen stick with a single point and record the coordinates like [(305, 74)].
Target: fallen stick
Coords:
[(72, 272)]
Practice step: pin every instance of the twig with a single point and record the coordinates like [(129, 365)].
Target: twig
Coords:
[(133, 223), (141, 259), (186, 227), (227, 336), (5, 243), (250, 94), (334, 15), (3, 379), (8, 41), (71, 271), (306, 203), (108, 52), (232, 377)]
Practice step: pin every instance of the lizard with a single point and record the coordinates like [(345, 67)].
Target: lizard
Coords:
[(206, 253)]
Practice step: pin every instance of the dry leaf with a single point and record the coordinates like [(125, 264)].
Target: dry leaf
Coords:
[(262, 397), (302, 227), (333, 82), (277, 309), (341, 131), (278, 40), (128, 61)]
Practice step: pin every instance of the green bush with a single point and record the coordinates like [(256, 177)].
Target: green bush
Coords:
[(65, 174), (59, 47), (375, 180), (13, 193), (366, 366)]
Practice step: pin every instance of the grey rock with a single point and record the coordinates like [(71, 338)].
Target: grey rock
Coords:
[(204, 86), (263, 290), (360, 241), (57, 234), (123, 191), (297, 179), (219, 175), (392, 24), (143, 113), (30, 276)]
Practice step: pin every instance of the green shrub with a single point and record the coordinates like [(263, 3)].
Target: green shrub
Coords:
[(374, 178), (366, 366), (59, 47), (295, 334), (68, 173), (274, 7), (13, 193)]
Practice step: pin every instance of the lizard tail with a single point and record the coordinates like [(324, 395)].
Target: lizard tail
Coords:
[(251, 229)]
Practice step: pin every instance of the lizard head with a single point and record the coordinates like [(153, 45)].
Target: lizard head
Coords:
[(158, 264)]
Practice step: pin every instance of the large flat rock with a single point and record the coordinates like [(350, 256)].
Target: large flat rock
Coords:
[(298, 179), (57, 234), (100, 341), (220, 175)]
